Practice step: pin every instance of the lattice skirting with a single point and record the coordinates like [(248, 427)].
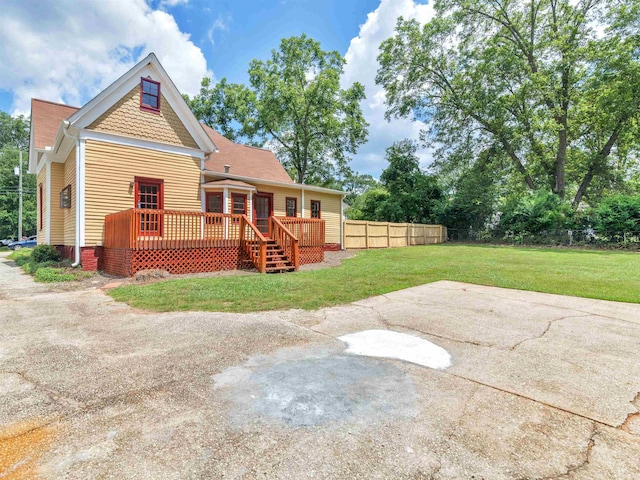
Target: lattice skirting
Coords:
[(125, 262), (311, 255)]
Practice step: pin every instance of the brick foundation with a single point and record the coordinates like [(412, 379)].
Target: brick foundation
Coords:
[(90, 257), (332, 247), (117, 261)]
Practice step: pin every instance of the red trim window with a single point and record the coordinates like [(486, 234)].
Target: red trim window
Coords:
[(41, 195), (214, 202), (149, 195), (315, 209), (149, 95), (291, 205), (238, 204)]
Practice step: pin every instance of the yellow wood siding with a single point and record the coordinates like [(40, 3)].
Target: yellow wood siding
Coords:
[(330, 207), (57, 214), (42, 182), (69, 214), (110, 168), (126, 118), (329, 212)]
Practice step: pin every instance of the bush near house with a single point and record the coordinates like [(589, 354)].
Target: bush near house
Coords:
[(43, 262)]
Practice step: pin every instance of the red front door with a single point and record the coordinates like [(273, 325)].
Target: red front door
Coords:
[(262, 210)]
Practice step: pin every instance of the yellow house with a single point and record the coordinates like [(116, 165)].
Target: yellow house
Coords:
[(132, 181)]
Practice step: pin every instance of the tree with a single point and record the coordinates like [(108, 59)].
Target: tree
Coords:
[(14, 135), (473, 198), (14, 131), (553, 84), (413, 195), (408, 194), (295, 102)]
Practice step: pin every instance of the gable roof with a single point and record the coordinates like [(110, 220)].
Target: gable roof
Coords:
[(243, 160), (46, 118), (148, 67)]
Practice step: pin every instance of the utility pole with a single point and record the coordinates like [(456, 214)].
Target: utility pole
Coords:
[(20, 198), (18, 171)]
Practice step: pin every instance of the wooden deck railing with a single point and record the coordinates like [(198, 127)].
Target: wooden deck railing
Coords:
[(308, 231), (286, 240), (253, 243), (141, 229)]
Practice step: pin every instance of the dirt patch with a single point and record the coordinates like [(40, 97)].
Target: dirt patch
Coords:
[(331, 259), (21, 445)]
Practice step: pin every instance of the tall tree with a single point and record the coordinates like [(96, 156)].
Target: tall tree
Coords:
[(295, 103), (14, 136), (553, 84)]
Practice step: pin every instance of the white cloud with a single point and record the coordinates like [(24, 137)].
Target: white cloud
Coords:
[(172, 3), (69, 50), (362, 67), (218, 25)]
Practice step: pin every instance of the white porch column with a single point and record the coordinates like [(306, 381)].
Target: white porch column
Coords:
[(47, 220), (250, 206), (225, 209), (302, 209)]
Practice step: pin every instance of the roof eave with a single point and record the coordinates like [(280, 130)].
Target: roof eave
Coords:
[(312, 188)]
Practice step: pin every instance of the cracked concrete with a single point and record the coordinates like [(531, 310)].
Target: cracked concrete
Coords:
[(541, 387)]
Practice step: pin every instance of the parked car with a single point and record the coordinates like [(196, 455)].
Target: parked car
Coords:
[(28, 242), (7, 241)]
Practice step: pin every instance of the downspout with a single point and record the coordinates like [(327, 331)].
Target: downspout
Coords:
[(76, 250)]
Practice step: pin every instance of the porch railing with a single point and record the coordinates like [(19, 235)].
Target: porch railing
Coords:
[(142, 229), (286, 240), (308, 231)]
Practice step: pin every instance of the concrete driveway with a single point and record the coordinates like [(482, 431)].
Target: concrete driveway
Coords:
[(540, 386)]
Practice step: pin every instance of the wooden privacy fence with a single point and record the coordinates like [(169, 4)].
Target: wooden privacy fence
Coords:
[(363, 234)]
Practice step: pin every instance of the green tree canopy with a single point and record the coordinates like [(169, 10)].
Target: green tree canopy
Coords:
[(408, 194), (14, 136), (554, 85), (295, 104)]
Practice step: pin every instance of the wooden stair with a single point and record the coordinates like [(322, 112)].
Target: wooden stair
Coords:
[(277, 260)]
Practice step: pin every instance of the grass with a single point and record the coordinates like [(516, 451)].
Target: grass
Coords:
[(46, 272), (591, 274)]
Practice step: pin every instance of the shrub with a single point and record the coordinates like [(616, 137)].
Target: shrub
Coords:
[(45, 253), (534, 213), (619, 214)]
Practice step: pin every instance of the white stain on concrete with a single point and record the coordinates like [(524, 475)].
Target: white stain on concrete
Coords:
[(401, 346)]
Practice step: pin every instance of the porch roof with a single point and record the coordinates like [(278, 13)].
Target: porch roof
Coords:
[(229, 183)]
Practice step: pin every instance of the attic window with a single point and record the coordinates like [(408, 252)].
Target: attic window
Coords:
[(149, 95)]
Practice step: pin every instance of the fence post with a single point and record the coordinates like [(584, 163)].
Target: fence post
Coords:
[(408, 235), (388, 235), (366, 235), (424, 234)]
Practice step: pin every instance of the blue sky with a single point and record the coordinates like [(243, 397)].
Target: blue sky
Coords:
[(68, 50)]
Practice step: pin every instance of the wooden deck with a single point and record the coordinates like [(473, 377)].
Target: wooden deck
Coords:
[(186, 242)]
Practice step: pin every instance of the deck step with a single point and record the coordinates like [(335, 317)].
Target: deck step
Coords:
[(276, 261)]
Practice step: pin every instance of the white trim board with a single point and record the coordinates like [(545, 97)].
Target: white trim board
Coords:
[(140, 143)]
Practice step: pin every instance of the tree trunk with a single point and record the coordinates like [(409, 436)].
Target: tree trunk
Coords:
[(598, 163), (561, 158)]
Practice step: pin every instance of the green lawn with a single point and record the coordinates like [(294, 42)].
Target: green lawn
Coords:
[(593, 274)]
